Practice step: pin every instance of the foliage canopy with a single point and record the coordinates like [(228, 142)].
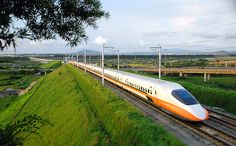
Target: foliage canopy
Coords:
[(47, 19)]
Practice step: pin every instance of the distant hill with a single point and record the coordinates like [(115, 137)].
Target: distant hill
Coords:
[(89, 52), (175, 51), (222, 52)]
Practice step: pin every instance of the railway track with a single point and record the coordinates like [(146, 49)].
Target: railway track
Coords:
[(219, 129), (220, 117)]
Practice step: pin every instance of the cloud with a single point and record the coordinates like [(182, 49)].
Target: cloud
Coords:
[(141, 42), (181, 23), (205, 35), (100, 40), (154, 33)]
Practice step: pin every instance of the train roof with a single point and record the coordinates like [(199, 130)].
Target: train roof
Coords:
[(153, 81)]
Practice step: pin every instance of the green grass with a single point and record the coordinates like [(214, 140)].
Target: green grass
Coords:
[(10, 106), (5, 102), (221, 82), (51, 65), (21, 80), (83, 112), (212, 93), (16, 81), (213, 96)]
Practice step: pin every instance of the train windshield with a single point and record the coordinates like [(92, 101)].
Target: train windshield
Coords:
[(184, 96)]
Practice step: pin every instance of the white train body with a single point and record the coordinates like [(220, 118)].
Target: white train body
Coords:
[(170, 96)]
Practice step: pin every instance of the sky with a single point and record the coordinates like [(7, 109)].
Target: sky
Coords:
[(137, 25)]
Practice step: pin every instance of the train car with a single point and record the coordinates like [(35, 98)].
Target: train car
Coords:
[(169, 95)]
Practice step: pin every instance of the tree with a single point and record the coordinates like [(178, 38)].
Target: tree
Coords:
[(48, 19)]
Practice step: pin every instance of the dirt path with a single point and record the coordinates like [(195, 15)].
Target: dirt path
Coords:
[(23, 91)]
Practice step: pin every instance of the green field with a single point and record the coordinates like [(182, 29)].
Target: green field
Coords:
[(221, 82), (19, 73), (83, 112), (51, 65)]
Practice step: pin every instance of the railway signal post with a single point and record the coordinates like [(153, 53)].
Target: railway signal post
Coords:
[(155, 50)]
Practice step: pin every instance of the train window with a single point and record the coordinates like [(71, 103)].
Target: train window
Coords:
[(148, 90), (184, 96), (156, 92)]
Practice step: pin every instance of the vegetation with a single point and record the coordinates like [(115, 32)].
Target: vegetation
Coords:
[(11, 106), (201, 61), (213, 96), (16, 133), (51, 65), (220, 82), (6, 102), (39, 20), (17, 72), (83, 112)]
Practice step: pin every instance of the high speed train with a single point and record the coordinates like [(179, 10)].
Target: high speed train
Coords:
[(171, 96)]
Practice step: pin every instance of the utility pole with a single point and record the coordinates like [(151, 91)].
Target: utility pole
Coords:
[(104, 47), (100, 58), (85, 61), (77, 57), (90, 59), (118, 58), (165, 57), (155, 50)]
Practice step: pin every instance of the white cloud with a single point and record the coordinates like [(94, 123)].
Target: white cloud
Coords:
[(141, 42), (100, 40), (181, 23)]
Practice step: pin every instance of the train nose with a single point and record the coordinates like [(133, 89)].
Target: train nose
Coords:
[(199, 112)]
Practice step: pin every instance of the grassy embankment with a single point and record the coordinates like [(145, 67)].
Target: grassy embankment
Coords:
[(84, 113), (18, 81), (218, 92), (51, 65)]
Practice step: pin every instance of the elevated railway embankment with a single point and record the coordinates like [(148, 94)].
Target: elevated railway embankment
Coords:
[(219, 129)]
